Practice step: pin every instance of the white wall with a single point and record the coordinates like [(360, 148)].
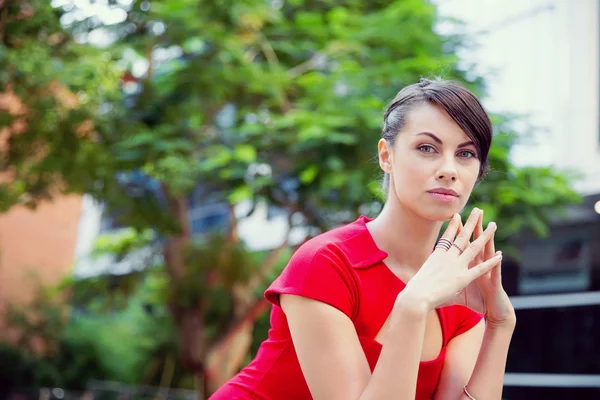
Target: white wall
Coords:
[(88, 265), (540, 58), (577, 108), (262, 233)]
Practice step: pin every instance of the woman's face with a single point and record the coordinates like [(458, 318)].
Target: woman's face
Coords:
[(433, 165)]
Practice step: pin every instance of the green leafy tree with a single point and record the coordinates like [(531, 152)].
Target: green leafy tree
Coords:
[(50, 91), (274, 102)]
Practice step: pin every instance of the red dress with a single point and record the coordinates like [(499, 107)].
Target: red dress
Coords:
[(343, 268)]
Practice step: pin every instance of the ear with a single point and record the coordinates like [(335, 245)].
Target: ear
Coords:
[(385, 155)]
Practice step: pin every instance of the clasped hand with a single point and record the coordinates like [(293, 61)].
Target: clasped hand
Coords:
[(468, 273)]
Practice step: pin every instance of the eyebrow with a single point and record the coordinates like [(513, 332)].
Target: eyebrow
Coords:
[(437, 139)]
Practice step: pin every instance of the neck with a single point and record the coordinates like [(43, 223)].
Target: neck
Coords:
[(406, 237)]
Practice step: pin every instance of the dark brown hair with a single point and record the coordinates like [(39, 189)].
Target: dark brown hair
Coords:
[(460, 104)]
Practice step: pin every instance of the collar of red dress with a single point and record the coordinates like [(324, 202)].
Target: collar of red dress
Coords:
[(358, 245)]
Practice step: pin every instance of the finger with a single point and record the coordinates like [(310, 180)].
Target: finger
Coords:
[(490, 247), (452, 229), (476, 234), (497, 274), (460, 226), (475, 247), (479, 227), (483, 268), (458, 231), (449, 233), (463, 239)]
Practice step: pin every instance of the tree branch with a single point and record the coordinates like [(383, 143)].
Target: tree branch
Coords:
[(271, 259), (3, 18), (232, 234), (272, 59), (253, 312), (176, 244), (312, 62), (267, 49)]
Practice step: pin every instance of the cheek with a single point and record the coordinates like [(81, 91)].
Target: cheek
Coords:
[(410, 176), (469, 179), (412, 167), (470, 176)]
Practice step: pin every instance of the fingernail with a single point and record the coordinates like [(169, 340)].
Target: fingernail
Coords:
[(492, 225), (475, 210), (499, 256)]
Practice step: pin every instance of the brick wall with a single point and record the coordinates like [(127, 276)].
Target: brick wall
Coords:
[(40, 244)]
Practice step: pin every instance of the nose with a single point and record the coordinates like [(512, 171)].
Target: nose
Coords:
[(447, 170)]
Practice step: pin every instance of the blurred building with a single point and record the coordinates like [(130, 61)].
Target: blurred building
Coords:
[(36, 249), (541, 59)]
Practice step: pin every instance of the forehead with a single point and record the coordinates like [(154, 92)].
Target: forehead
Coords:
[(433, 119)]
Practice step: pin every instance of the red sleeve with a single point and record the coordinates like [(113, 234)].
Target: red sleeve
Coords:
[(318, 274), (465, 319)]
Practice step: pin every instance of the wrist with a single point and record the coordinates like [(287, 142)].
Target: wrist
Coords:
[(507, 325), (412, 303)]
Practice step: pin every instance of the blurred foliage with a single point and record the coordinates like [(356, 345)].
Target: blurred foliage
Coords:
[(214, 92), (65, 342), (123, 242), (51, 92), (46, 353), (188, 92), (201, 283), (151, 106), (520, 199), (20, 369)]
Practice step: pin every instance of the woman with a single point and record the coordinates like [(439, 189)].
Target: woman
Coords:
[(367, 310)]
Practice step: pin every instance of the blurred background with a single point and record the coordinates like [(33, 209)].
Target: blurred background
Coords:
[(161, 159)]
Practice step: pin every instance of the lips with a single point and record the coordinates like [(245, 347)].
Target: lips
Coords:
[(444, 191), (442, 195)]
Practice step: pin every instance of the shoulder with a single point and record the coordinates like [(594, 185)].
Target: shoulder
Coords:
[(328, 254), (336, 245), (320, 269)]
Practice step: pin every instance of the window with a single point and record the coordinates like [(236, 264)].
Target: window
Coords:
[(560, 263), (554, 350), (561, 339), (556, 293), (109, 221), (209, 218)]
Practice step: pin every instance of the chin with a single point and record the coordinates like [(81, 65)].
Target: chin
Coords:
[(429, 209), (440, 214)]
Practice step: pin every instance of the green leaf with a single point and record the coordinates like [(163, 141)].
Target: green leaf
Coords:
[(240, 194), (311, 132), (216, 157), (309, 174), (245, 153)]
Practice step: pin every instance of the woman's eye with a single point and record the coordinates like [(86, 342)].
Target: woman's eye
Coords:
[(426, 148), (466, 154)]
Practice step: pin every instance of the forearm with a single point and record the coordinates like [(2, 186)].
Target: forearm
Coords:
[(488, 375), (395, 375)]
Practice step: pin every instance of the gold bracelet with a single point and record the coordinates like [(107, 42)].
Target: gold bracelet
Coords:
[(468, 394)]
